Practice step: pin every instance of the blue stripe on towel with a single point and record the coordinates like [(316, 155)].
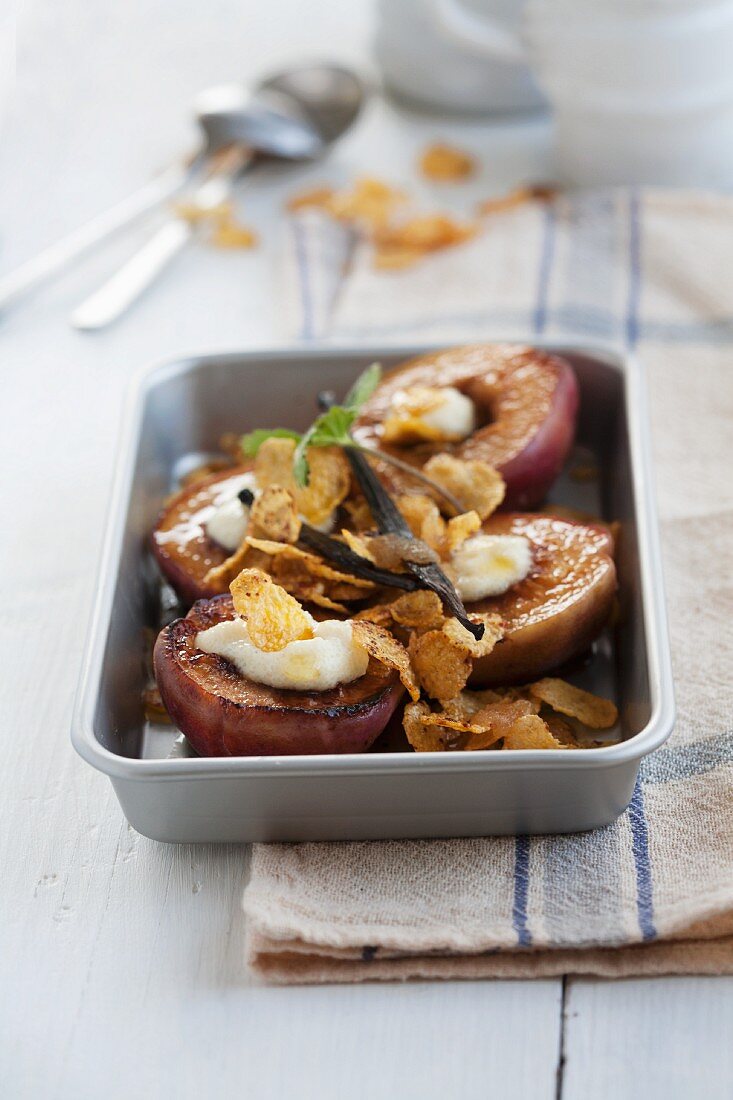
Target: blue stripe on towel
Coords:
[(521, 890), (642, 864), (674, 762)]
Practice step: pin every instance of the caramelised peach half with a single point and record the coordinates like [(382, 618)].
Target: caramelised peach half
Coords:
[(223, 713), (561, 605), (182, 543), (525, 404)]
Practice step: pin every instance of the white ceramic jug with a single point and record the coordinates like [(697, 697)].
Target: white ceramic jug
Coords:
[(642, 90), (423, 58)]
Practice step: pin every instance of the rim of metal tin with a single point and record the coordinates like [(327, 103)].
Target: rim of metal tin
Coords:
[(641, 744)]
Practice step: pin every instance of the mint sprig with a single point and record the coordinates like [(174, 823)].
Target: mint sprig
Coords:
[(364, 387), (330, 429), (252, 442)]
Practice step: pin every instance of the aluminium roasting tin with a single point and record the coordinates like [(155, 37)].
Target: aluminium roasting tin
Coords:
[(178, 412)]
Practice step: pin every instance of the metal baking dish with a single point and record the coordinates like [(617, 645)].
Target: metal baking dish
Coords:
[(180, 410)]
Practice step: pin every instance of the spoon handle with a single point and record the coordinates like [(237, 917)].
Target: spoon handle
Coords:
[(127, 284), (53, 259), (123, 288)]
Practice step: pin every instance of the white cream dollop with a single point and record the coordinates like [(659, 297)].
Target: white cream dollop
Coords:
[(320, 663), (434, 413), (488, 565), (229, 518)]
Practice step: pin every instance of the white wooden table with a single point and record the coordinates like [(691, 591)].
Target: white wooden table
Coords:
[(121, 959)]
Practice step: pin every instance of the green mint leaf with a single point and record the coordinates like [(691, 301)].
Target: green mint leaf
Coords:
[(301, 470), (252, 442), (364, 387), (332, 427)]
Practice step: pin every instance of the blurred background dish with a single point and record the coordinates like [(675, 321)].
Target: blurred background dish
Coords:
[(642, 90), (429, 56)]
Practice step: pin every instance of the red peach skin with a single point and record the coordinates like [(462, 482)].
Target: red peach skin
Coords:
[(224, 714), (527, 402)]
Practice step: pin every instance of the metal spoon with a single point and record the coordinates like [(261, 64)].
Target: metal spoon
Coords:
[(294, 116), (219, 128)]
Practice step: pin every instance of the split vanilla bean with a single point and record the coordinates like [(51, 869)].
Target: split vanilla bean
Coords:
[(342, 556), (390, 521)]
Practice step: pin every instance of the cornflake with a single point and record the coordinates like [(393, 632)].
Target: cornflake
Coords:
[(219, 577), (441, 668), (445, 163), (380, 644), (273, 617), (313, 594), (468, 703), (314, 197), (425, 233), (518, 197), (424, 519), (464, 640), (530, 732), (396, 259), (371, 205), (420, 610), (501, 715), (329, 483), (561, 730), (422, 737), (429, 731), (460, 528), (370, 202), (380, 613), (311, 565), (357, 544), (478, 486), (359, 513), (228, 232), (273, 515), (591, 710)]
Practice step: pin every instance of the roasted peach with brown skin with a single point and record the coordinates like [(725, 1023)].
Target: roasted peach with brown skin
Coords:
[(222, 713), (527, 402), (560, 607), (183, 549)]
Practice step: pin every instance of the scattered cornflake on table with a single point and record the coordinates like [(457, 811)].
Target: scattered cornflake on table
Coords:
[(373, 208), (518, 197), (318, 197), (370, 203), (445, 163), (223, 230), (402, 245), (228, 233)]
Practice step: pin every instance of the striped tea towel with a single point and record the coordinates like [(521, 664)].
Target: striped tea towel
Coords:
[(652, 893)]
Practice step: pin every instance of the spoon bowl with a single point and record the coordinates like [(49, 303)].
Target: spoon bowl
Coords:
[(293, 115), (329, 96)]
